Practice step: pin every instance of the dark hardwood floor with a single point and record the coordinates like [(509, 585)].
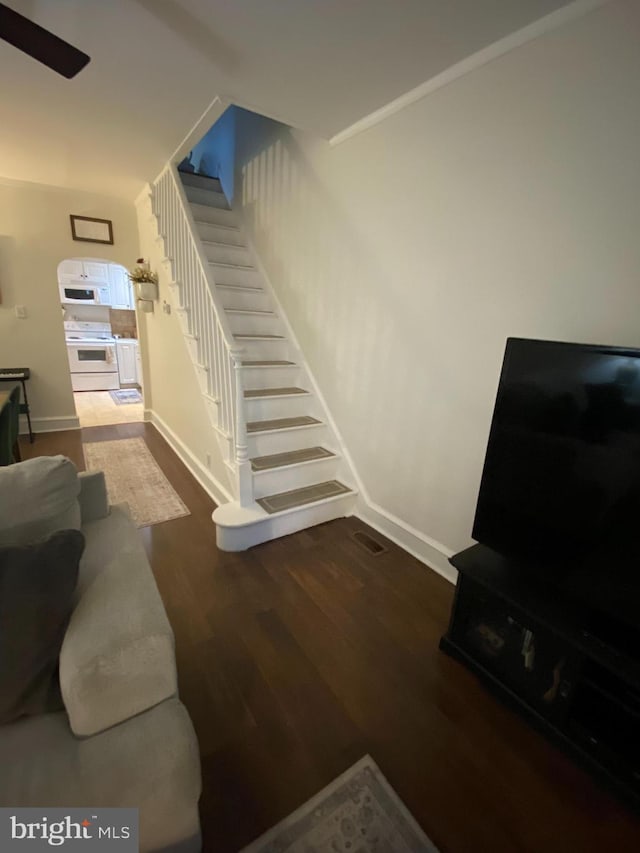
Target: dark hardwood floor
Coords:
[(299, 656)]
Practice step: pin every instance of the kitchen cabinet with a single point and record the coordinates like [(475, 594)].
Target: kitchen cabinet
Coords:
[(127, 352), (70, 271), (90, 272), (121, 288)]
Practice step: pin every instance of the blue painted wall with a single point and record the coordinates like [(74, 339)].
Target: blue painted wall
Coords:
[(214, 155)]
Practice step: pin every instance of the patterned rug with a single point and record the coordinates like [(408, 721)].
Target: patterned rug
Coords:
[(126, 395), (133, 475), (359, 812)]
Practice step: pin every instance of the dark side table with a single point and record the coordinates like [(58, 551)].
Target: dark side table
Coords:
[(19, 374)]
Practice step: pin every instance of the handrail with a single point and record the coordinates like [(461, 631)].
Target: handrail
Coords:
[(219, 355), (203, 261)]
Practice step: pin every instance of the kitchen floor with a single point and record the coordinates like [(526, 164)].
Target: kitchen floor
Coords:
[(98, 408)]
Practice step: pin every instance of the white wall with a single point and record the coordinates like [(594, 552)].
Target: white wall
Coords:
[(503, 204), (171, 391), (35, 235)]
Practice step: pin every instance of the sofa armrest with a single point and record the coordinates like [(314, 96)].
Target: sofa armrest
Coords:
[(117, 657), (93, 498)]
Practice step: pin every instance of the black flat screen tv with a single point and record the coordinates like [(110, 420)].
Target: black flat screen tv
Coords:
[(561, 478)]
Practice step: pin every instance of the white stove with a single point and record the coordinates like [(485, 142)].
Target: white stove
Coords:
[(91, 349), (81, 330)]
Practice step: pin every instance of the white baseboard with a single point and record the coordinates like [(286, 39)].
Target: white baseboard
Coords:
[(433, 554), (213, 487), (56, 424)]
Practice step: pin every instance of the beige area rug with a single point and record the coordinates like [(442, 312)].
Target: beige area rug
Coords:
[(359, 812), (133, 475)]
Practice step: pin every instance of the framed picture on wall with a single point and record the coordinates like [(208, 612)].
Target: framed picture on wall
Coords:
[(90, 230)]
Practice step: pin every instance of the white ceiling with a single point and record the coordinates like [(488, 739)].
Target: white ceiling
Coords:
[(157, 64)]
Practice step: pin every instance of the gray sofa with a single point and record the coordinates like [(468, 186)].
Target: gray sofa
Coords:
[(124, 738)]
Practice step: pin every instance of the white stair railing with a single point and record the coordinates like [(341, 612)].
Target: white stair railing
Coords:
[(219, 356)]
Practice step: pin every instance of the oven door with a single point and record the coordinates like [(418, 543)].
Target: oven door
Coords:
[(92, 358)]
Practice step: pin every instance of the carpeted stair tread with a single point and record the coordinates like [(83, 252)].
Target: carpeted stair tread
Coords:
[(272, 392), (291, 457), (216, 224), (268, 363), (196, 179), (206, 197), (282, 423), (220, 244), (250, 311), (227, 265), (303, 496), (254, 336), (248, 287)]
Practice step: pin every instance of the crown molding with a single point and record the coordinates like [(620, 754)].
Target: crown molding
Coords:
[(499, 48)]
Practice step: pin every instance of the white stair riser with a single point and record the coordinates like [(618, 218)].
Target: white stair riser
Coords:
[(191, 180), (262, 350), (295, 477), (203, 379), (219, 234), (270, 377), (183, 317), (212, 411), (255, 323), (252, 300), (280, 407), (175, 294), (281, 441), (227, 253), (192, 346), (241, 538), (235, 275), (213, 215), (197, 195)]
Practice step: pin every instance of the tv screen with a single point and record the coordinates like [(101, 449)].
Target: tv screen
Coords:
[(561, 476)]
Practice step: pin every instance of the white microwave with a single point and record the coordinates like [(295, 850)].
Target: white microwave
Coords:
[(85, 294)]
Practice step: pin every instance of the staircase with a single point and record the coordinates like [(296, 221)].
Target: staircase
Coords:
[(284, 457)]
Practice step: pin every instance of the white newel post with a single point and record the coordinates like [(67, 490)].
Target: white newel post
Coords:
[(245, 479)]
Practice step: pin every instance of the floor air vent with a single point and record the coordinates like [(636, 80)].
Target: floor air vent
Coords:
[(371, 545)]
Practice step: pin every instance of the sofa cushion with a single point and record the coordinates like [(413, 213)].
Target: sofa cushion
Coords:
[(93, 497), (38, 497), (36, 592), (117, 658), (107, 539), (151, 763)]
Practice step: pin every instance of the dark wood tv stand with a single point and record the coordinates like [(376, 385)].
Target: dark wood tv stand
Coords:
[(572, 673)]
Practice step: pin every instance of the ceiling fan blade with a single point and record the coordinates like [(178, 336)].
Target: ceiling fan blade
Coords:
[(39, 43)]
